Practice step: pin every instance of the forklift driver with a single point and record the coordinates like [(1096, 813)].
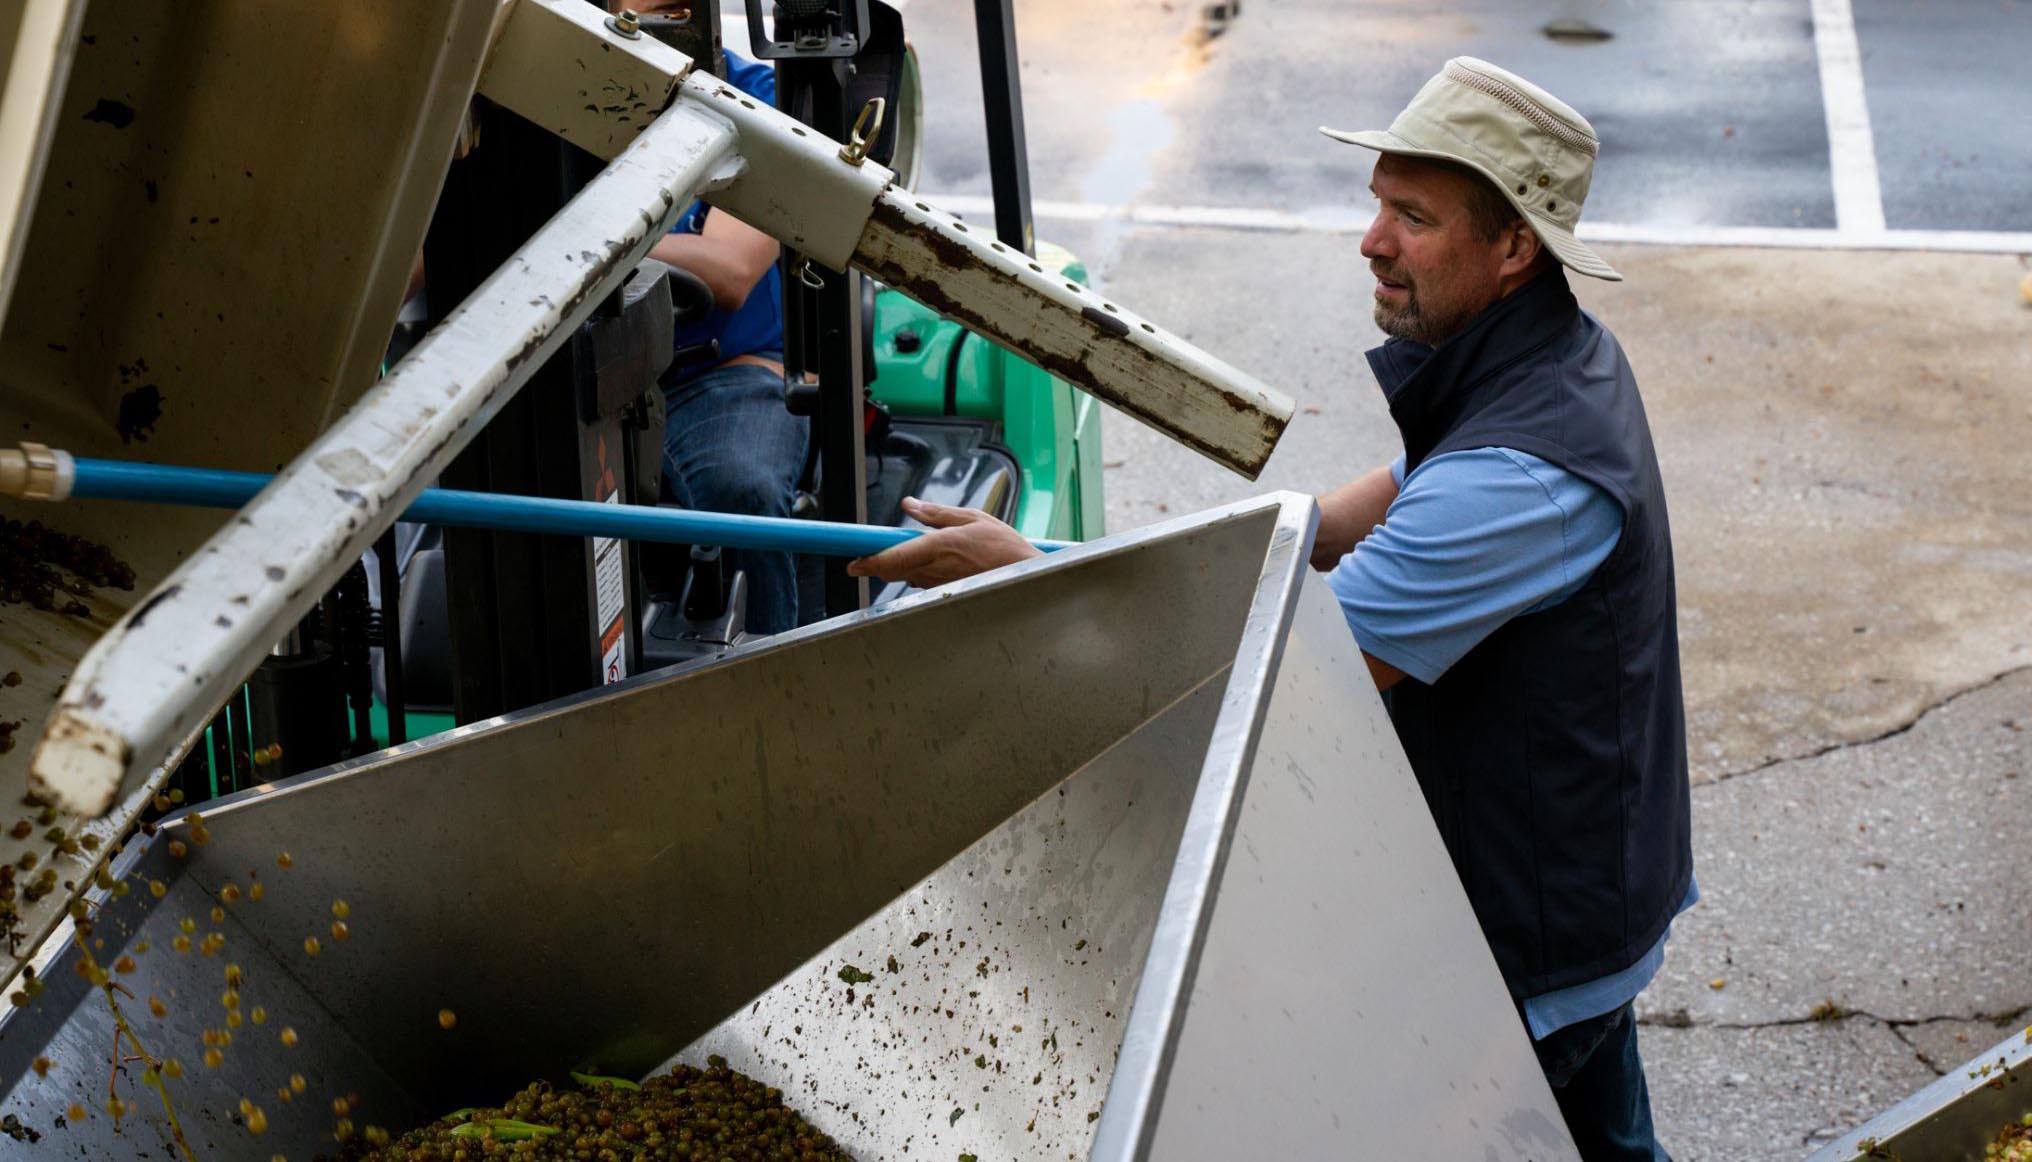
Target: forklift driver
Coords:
[(729, 443), (1509, 579)]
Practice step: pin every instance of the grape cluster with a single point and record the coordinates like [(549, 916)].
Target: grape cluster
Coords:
[(34, 560), (687, 1115), (2013, 1144)]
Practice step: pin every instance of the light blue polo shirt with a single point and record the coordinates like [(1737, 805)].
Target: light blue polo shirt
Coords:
[(1473, 539)]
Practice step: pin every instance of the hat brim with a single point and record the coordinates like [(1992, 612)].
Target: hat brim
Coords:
[(1572, 253)]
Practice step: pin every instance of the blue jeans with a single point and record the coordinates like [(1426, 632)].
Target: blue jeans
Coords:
[(1599, 1084), (729, 445)]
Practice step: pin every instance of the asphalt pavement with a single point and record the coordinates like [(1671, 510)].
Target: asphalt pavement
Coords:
[(1841, 429), (1709, 113)]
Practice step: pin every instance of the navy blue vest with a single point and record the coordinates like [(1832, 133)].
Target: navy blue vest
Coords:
[(1553, 756)]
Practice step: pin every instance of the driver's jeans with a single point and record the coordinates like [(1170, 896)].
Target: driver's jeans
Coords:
[(729, 445)]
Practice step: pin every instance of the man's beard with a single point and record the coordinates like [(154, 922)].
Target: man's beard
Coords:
[(1410, 320)]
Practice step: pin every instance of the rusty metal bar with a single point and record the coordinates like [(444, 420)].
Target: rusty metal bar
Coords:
[(963, 273)]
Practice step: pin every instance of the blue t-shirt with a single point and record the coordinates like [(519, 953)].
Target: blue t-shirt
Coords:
[(757, 327), (1473, 539)]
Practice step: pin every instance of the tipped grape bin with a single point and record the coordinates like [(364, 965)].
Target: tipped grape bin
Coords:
[(1131, 868)]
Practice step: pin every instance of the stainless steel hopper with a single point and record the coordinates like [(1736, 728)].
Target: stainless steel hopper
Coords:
[(1111, 855)]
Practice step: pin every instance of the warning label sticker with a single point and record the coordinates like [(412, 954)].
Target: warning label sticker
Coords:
[(613, 658), (611, 585)]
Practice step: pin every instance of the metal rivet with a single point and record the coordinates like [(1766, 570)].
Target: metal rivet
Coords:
[(1544, 179), (1552, 205), (1521, 187)]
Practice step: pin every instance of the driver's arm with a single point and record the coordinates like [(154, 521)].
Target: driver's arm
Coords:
[(729, 256)]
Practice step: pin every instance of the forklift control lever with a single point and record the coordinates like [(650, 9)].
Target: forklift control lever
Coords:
[(706, 352), (705, 587)]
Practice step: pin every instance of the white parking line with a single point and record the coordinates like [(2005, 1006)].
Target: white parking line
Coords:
[(1852, 148), (1354, 220)]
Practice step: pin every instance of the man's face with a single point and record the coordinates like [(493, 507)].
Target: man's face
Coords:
[(1434, 272)]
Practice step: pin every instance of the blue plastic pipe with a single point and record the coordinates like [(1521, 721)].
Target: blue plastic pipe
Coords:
[(213, 488)]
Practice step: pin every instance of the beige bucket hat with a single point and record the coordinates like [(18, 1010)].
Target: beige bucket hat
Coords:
[(1532, 145)]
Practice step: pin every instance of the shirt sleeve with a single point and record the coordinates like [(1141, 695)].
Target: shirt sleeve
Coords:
[(1473, 539)]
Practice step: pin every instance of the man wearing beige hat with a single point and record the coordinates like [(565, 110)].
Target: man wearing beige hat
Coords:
[(1509, 579)]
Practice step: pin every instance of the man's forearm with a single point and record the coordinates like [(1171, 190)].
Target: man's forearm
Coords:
[(720, 271), (729, 256), (1348, 513)]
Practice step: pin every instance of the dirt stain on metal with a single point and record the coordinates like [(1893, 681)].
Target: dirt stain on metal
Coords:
[(118, 114), (140, 410), (149, 605)]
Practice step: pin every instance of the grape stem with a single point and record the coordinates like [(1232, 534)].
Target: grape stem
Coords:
[(120, 1027)]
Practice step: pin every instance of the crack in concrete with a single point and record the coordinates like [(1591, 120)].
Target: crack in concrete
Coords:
[(1918, 1054), (1894, 732), (1835, 1014)]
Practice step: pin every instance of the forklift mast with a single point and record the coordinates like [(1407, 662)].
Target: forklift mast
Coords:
[(536, 618)]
